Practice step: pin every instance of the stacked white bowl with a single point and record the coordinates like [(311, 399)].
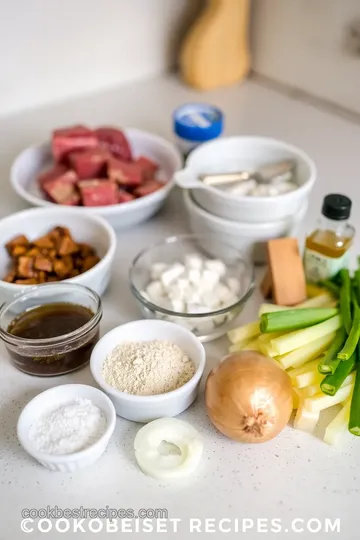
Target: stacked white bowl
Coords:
[(245, 222)]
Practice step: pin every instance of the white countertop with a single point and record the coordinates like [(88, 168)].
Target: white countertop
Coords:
[(294, 476)]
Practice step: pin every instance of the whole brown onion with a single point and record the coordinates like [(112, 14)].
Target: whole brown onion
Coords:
[(249, 397)]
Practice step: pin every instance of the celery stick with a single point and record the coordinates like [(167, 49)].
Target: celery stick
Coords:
[(306, 420), (270, 308), (265, 345), (296, 398), (309, 391), (300, 356), (309, 366), (247, 331), (330, 361), (353, 338), (354, 422), (250, 345), (332, 382), (338, 425), (294, 319), (294, 340), (324, 300), (308, 378), (321, 401)]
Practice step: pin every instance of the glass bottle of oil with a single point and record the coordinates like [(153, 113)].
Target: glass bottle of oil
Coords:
[(327, 248)]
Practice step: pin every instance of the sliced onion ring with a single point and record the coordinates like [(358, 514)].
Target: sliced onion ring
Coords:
[(168, 448)]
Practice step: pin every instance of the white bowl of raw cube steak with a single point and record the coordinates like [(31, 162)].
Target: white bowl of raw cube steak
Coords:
[(125, 176)]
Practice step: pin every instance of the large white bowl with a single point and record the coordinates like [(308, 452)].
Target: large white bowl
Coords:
[(51, 399), (147, 408), (33, 160), (85, 228), (249, 238), (246, 153)]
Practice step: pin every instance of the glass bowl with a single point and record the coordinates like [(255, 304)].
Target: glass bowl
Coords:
[(208, 325), (63, 352)]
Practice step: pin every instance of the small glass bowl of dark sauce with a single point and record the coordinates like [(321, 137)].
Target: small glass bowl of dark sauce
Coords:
[(51, 329)]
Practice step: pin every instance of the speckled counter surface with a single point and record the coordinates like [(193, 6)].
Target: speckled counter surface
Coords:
[(294, 476)]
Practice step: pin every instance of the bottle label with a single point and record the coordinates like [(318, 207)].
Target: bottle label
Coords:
[(319, 267)]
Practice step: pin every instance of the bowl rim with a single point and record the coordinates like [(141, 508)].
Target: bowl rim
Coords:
[(105, 210), (96, 364), (100, 221), (240, 226), (172, 240), (69, 337), (299, 153), (61, 458)]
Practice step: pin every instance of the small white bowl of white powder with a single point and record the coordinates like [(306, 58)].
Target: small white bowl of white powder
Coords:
[(149, 368), (67, 427)]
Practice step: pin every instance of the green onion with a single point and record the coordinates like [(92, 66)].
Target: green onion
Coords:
[(330, 286), (331, 383), (294, 319), (330, 362), (357, 284), (345, 299), (350, 345), (354, 421)]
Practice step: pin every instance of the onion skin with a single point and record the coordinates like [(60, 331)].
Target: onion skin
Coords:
[(249, 398)]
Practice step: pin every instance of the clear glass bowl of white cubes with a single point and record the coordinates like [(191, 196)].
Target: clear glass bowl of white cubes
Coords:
[(193, 281)]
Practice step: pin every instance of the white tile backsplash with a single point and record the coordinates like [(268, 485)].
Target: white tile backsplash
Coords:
[(303, 44), (51, 50)]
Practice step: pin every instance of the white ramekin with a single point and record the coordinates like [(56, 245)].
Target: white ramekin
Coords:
[(147, 408), (57, 396)]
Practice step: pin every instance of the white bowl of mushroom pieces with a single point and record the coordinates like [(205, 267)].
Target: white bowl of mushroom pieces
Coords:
[(291, 171), (149, 369)]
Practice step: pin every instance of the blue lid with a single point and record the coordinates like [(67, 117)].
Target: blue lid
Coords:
[(198, 122)]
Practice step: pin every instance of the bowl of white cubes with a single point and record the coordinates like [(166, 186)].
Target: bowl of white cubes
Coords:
[(192, 281)]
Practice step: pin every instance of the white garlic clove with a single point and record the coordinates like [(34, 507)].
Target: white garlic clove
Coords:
[(168, 448)]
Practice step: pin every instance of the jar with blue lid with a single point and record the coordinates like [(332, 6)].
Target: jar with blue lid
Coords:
[(196, 123)]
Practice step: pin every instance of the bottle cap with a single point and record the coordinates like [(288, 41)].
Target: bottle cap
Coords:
[(337, 207), (198, 122)]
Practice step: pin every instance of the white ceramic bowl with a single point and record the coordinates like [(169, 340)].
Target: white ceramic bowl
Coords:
[(57, 396), (147, 408), (84, 227), (246, 153), (249, 238), (33, 160)]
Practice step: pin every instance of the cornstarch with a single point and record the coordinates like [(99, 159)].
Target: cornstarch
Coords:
[(68, 428), (147, 368)]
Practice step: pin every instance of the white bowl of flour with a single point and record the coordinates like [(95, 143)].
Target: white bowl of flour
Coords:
[(67, 427), (147, 391)]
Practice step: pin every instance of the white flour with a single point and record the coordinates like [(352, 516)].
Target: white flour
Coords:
[(68, 428), (147, 368)]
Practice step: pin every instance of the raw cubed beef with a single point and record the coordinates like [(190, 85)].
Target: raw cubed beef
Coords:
[(68, 139), (64, 175), (89, 163), (124, 196), (148, 167), (62, 192), (148, 187), (126, 174), (115, 142), (98, 192), (51, 174)]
